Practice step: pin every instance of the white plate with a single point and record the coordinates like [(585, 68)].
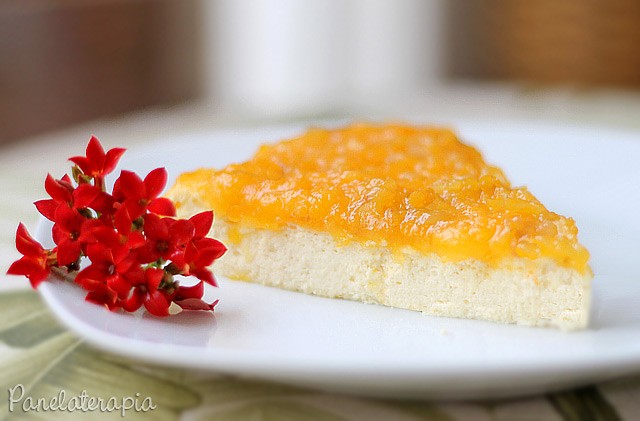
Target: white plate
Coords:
[(260, 332)]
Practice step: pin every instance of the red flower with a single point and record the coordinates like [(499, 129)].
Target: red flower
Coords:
[(87, 196), (100, 293), (147, 293), (61, 192), (132, 239), (34, 264), (64, 194), (112, 273), (96, 164), (109, 254), (165, 237), (198, 255), (66, 233), (201, 251), (139, 196), (134, 246), (110, 248)]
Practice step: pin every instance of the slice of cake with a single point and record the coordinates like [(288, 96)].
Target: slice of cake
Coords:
[(402, 216)]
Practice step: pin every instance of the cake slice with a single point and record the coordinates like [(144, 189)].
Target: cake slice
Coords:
[(402, 216)]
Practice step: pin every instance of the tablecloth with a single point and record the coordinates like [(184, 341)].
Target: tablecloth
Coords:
[(40, 358)]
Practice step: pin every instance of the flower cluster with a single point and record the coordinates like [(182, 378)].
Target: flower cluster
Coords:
[(135, 244)]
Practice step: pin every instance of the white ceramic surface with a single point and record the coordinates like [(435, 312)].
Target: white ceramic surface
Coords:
[(592, 174)]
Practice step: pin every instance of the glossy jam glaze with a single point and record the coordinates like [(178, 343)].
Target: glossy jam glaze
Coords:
[(395, 186)]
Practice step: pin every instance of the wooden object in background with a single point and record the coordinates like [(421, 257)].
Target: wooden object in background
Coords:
[(569, 41), (65, 61)]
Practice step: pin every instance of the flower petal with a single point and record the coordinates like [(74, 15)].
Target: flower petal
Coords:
[(68, 252), (26, 244), (127, 267), (153, 277), (120, 285), (95, 155), (120, 253), (99, 253), (47, 208), (103, 203), (33, 269), (155, 228), (95, 231), (82, 163), (181, 232), (195, 291), (208, 250), (162, 206), (155, 181), (84, 195), (129, 185), (134, 301), (135, 240), (195, 304), (157, 304), (37, 277), (69, 219), (202, 223), (23, 266), (134, 273), (122, 221), (206, 275), (93, 274), (111, 160), (59, 191), (102, 295)]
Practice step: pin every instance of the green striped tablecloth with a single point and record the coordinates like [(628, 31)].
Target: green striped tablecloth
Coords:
[(37, 353)]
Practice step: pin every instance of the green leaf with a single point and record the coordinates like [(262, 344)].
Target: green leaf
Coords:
[(18, 307), (424, 410), (268, 411), (84, 369), (89, 369), (28, 366), (227, 389), (583, 404), (31, 331)]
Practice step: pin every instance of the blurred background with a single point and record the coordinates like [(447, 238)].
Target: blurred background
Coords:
[(64, 62)]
